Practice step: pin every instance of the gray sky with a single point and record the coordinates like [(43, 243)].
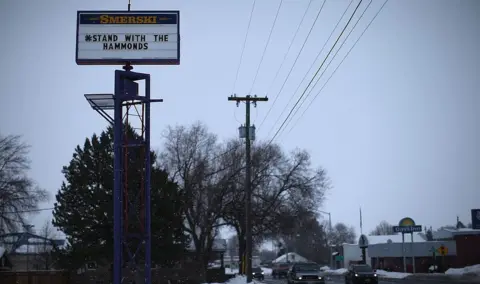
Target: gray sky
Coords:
[(397, 126)]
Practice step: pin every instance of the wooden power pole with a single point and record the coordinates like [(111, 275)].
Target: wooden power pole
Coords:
[(249, 131)]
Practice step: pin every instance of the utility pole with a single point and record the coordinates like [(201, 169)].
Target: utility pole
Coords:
[(329, 238), (249, 131)]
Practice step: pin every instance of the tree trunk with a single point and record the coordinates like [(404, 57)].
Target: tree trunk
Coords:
[(241, 250)]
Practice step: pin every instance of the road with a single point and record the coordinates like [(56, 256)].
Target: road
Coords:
[(270, 280)]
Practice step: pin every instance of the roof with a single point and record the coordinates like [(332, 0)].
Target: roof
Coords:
[(417, 238), (456, 232), (292, 257)]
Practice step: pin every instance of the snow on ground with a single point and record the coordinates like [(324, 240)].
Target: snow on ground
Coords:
[(324, 268), (382, 273), (396, 275), (239, 279), (470, 270), (230, 271), (339, 271)]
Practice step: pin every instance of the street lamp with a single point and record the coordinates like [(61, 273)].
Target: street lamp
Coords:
[(330, 231)]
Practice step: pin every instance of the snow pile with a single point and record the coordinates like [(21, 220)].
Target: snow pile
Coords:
[(240, 279), (339, 271), (231, 271), (395, 275), (324, 268), (469, 270), (267, 271)]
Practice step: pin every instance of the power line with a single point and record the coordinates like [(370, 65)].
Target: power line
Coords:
[(313, 64), (28, 211), (243, 48), (281, 65), (298, 55), (325, 69), (318, 70), (338, 66), (266, 46)]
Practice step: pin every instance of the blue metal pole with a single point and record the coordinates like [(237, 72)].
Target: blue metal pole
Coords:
[(148, 169), (117, 180)]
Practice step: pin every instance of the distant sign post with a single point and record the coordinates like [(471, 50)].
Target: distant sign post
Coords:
[(363, 244), (120, 37), (442, 250), (407, 226)]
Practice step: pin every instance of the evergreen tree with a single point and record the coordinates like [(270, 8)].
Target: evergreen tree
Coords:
[(84, 204)]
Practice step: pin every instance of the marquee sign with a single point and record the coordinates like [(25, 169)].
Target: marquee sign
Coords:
[(118, 37)]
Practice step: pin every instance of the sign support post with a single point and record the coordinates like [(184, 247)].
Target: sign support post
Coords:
[(413, 253), (118, 38), (363, 244), (407, 226)]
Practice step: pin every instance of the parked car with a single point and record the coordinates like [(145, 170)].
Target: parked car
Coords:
[(257, 273), (361, 273), (305, 273), (280, 269)]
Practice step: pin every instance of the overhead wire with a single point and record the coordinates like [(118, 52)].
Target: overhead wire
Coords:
[(311, 67), (298, 55), (338, 66), (27, 211), (243, 47), (266, 46), (283, 62), (318, 70), (325, 69)]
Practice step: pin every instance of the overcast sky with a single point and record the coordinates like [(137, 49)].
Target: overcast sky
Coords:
[(397, 127)]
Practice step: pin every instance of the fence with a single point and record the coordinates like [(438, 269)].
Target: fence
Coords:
[(34, 277)]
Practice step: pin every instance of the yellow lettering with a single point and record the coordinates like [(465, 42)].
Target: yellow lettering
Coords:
[(105, 19)]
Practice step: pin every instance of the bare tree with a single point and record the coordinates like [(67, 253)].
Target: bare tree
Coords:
[(384, 228), (282, 185), (19, 194), (341, 234), (44, 256), (190, 157)]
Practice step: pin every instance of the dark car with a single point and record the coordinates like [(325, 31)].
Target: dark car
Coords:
[(280, 269), (361, 273), (305, 273), (257, 273)]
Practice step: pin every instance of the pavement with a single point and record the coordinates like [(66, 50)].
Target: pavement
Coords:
[(332, 280)]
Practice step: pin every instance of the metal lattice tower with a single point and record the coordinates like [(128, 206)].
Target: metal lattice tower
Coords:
[(132, 236)]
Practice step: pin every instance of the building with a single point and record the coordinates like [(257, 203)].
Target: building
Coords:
[(467, 244), (351, 253), (234, 261), (27, 251), (385, 252)]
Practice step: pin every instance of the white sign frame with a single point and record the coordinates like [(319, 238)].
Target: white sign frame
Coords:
[(121, 37)]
